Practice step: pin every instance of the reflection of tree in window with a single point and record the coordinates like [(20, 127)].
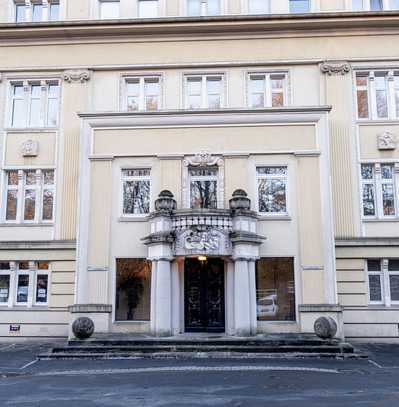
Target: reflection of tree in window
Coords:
[(136, 191), (272, 189), (133, 287), (203, 187)]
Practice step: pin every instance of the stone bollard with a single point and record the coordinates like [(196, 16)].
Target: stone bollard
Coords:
[(83, 327), (325, 327)]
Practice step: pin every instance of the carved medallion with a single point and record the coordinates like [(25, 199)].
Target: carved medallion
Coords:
[(30, 148), (387, 141), (335, 68), (76, 76)]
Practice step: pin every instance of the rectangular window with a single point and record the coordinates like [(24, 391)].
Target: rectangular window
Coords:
[(22, 288), (275, 289), (259, 6), (267, 90), (54, 11), (41, 289), (299, 6), (136, 185), (29, 196), (362, 89), (133, 290), (20, 13), (394, 4), (383, 273), (109, 9), (203, 7), (367, 5), (148, 8), (37, 13), (204, 91), (4, 288), (203, 187), (35, 104), (143, 93), (272, 190), (379, 194)]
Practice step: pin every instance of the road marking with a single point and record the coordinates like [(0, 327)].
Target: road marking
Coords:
[(180, 369), (375, 364), (28, 364)]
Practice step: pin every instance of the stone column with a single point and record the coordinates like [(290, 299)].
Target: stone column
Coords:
[(159, 244), (242, 298)]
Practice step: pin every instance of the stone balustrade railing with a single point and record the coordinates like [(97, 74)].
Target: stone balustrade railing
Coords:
[(216, 218)]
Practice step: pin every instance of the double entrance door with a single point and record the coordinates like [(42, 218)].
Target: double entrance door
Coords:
[(204, 295)]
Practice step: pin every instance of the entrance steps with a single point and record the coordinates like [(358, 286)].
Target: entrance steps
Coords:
[(127, 346)]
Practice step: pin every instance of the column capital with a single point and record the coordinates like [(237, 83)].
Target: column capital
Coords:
[(161, 258), (73, 76), (335, 68)]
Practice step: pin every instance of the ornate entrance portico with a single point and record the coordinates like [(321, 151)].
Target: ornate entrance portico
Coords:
[(178, 234)]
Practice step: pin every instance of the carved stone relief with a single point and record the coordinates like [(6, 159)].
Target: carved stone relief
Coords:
[(30, 148), (76, 76), (335, 68), (387, 141)]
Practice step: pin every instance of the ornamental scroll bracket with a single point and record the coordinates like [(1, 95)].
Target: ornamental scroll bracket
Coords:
[(203, 159), (335, 68), (76, 76)]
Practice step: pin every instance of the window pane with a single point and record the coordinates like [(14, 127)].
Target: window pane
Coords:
[(109, 9), (395, 4), (30, 177), (375, 287), (357, 5), (367, 171), (386, 171), (148, 8), (48, 177), (23, 265), (381, 96), (275, 289), (151, 90), (136, 197), (52, 114), (393, 265), (213, 7), (394, 287), (54, 12), (203, 172), (194, 7), (133, 290), (299, 6), (277, 99), (12, 178), (362, 104), (35, 105), (272, 195), (259, 6), (271, 170), (203, 194), (368, 200), (41, 288), (397, 93), (48, 204), (30, 204), (37, 14), (4, 265), (257, 90), (373, 265), (22, 288), (11, 212), (18, 113), (388, 200), (194, 93), (376, 5), (20, 13), (4, 288), (142, 172), (133, 103)]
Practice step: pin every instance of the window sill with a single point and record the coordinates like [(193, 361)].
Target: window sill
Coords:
[(377, 220), (377, 121), (134, 218), (131, 322), (274, 217), (22, 225), (31, 129)]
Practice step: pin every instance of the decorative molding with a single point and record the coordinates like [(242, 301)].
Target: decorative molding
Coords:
[(76, 76), (335, 68), (203, 159), (387, 141), (30, 148)]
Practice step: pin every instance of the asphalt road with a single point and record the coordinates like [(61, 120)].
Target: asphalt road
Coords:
[(24, 381)]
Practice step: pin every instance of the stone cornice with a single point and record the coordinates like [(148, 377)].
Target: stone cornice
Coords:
[(325, 23), (38, 245), (368, 242)]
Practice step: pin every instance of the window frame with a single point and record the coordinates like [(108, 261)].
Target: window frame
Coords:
[(39, 187), (158, 13), (27, 106), (377, 183), (366, 6), (222, 8), (141, 78), (248, 8), (204, 77), (258, 176), (100, 9), (310, 8), (134, 178), (204, 178)]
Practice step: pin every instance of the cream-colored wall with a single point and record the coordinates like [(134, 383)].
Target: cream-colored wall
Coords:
[(368, 141)]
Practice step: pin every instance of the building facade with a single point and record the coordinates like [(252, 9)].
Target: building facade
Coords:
[(199, 166)]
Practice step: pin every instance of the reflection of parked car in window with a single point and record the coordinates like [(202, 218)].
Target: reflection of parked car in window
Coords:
[(267, 306)]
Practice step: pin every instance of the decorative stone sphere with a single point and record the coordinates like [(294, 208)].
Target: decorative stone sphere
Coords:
[(165, 201), (240, 201), (325, 327), (83, 327)]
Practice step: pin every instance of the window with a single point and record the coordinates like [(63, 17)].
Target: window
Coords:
[(383, 281), (275, 289), (109, 9), (148, 8), (272, 190), (259, 6), (394, 4), (204, 91), (37, 11), (133, 290), (143, 93), (20, 13), (136, 185), (299, 6), (367, 5), (265, 90), (203, 187), (54, 11), (29, 196), (379, 190), (24, 283), (203, 7), (377, 95), (35, 104)]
